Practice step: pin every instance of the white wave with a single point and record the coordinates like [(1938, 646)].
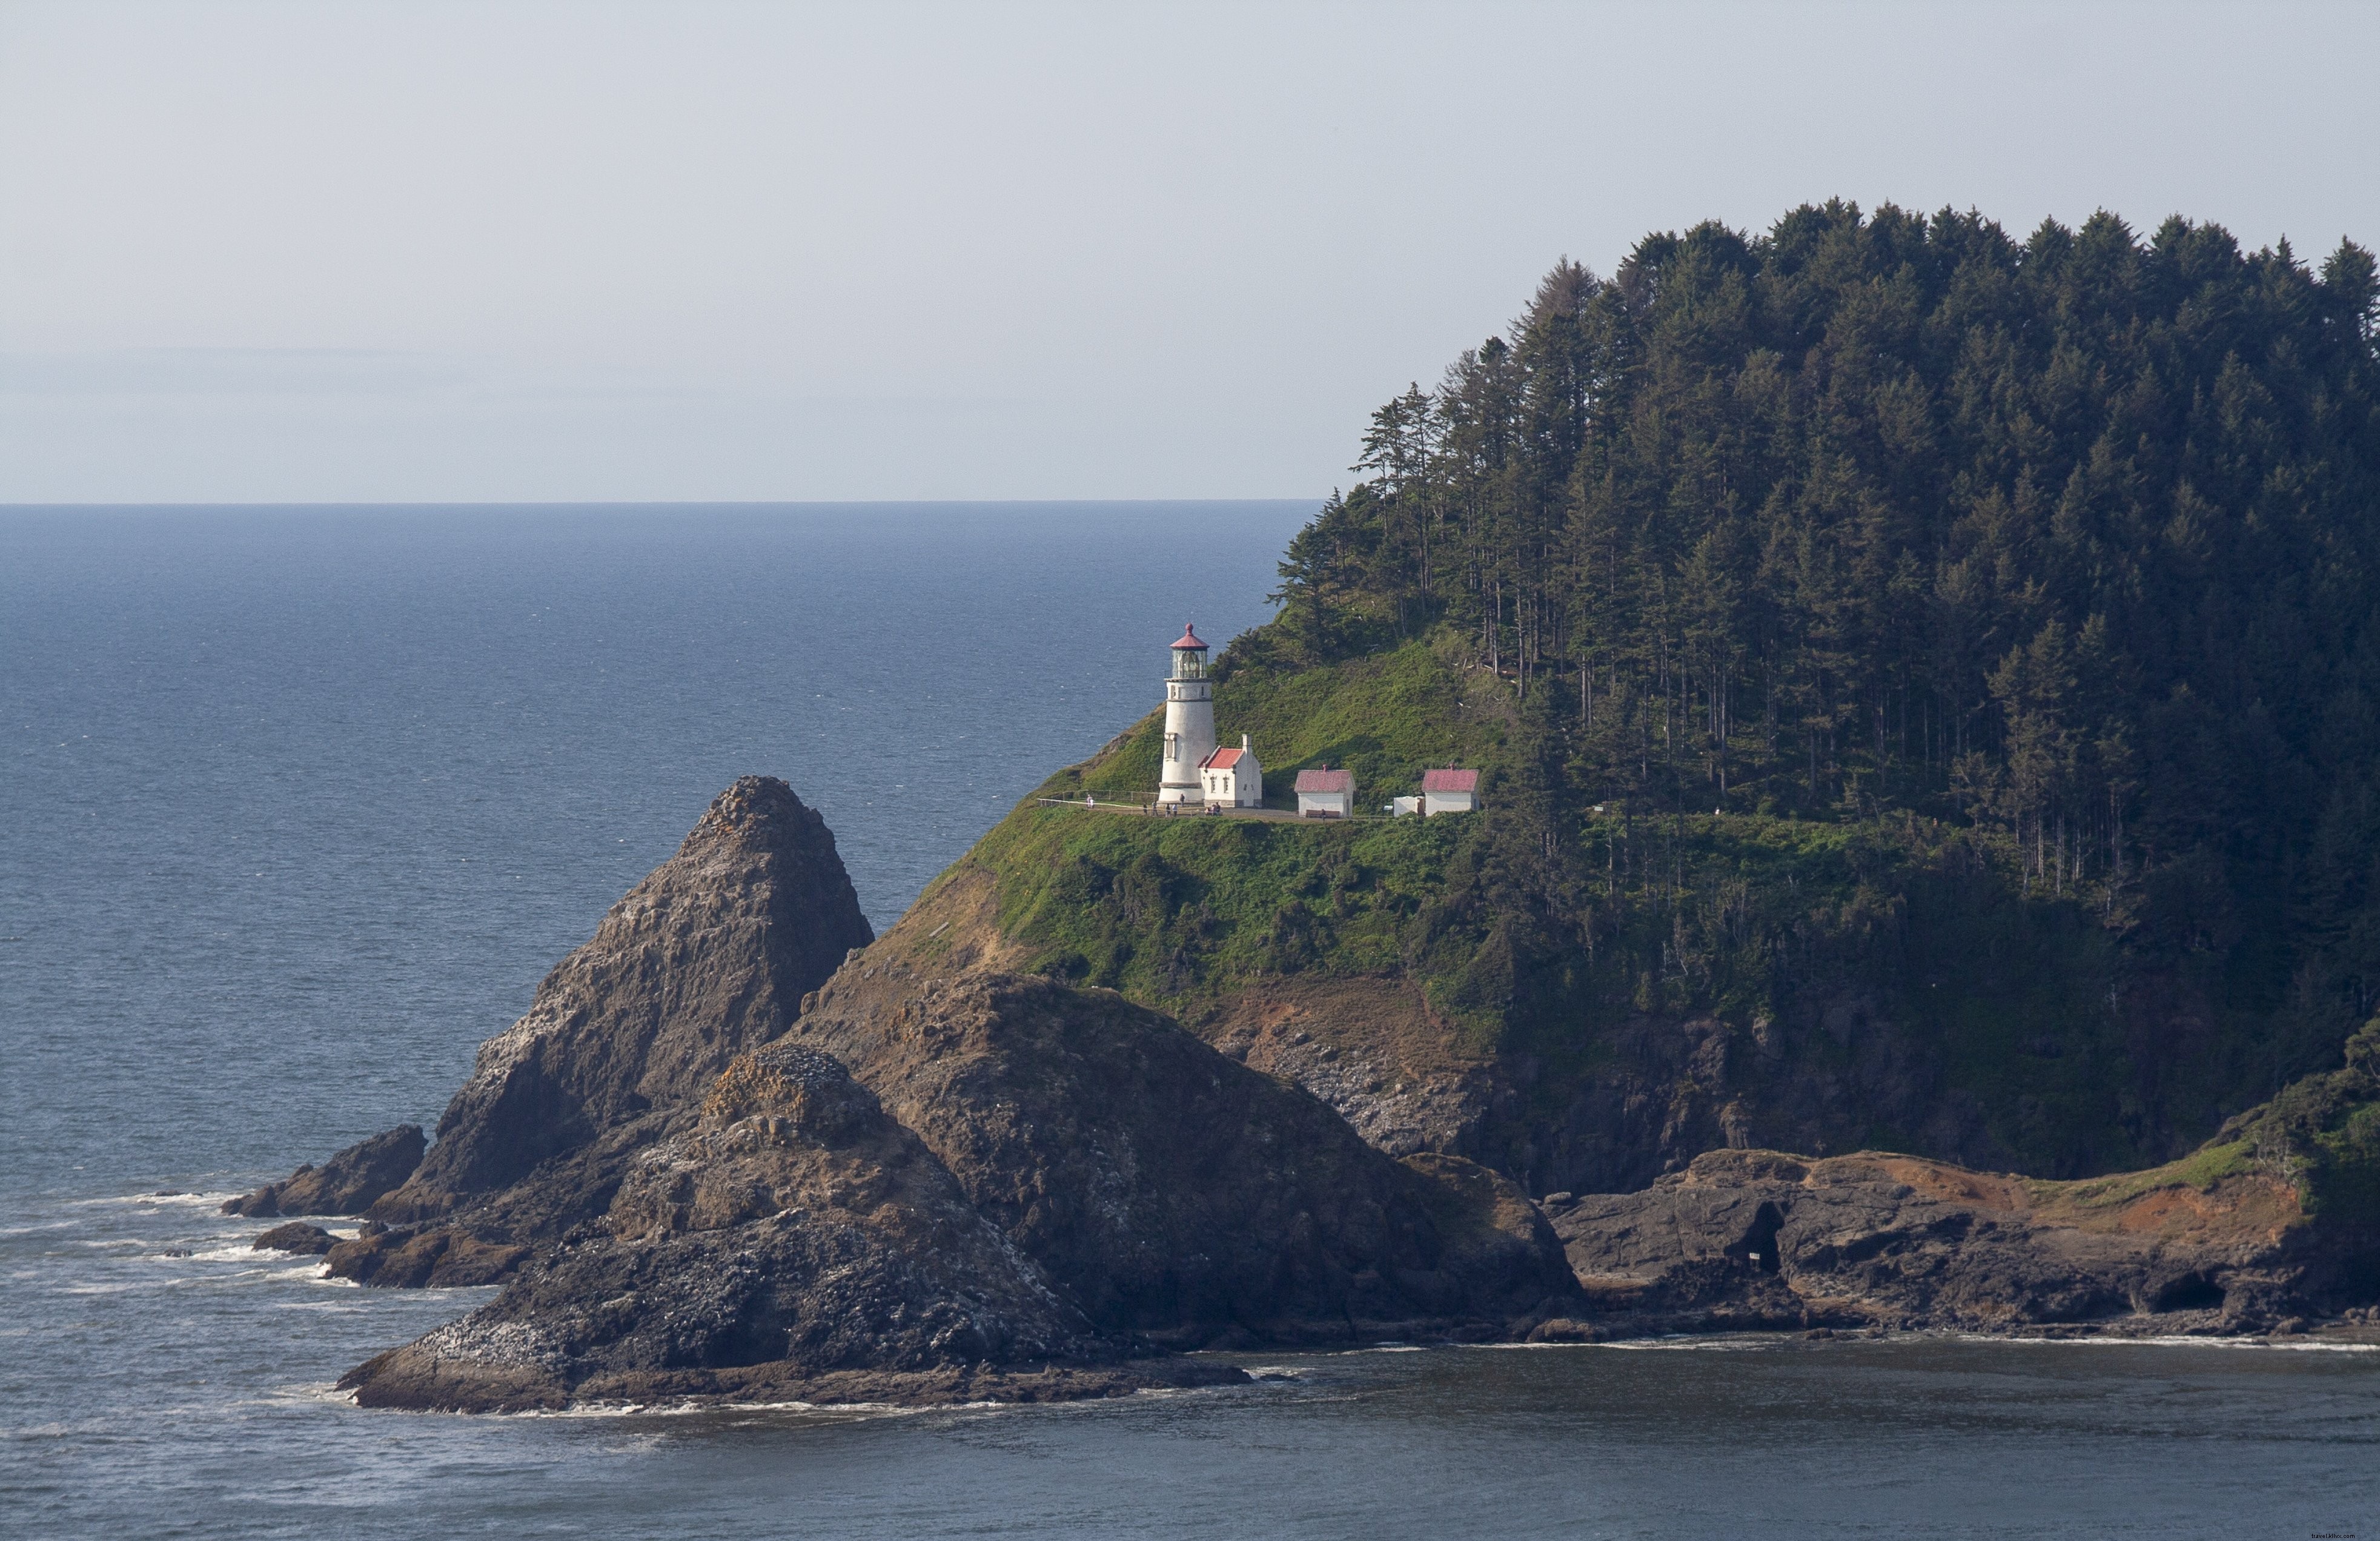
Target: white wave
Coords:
[(157, 1201), (691, 1408), (2283, 1345), (231, 1252), (1697, 1343)]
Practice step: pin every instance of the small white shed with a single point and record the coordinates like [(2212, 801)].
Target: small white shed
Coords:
[(1449, 790), (1323, 792)]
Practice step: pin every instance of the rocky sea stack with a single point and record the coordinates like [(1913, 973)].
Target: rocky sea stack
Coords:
[(735, 1149)]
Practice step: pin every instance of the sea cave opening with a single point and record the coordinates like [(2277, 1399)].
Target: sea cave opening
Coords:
[(1759, 1245)]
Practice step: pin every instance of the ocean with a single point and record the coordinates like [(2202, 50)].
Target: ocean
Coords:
[(297, 806)]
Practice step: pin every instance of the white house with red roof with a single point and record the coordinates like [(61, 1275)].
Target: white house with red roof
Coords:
[(1189, 723), (1232, 778), (1323, 792), (1449, 791)]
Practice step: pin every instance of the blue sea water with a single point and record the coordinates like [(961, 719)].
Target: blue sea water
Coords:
[(297, 805)]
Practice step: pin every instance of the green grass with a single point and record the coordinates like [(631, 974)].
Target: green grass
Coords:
[(1167, 908), (2202, 1168)]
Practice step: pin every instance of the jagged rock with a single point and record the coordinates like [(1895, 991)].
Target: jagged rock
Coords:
[(708, 956), (348, 1184), (1745, 1239), (430, 1256), (296, 1236), (797, 1228), (951, 1179)]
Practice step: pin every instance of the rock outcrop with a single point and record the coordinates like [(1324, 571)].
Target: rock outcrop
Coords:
[(797, 1234), (707, 957), (933, 1179), (348, 1184), (1179, 1194), (411, 1257), (296, 1236), (1754, 1239)]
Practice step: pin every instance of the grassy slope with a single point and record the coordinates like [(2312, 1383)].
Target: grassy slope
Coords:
[(1388, 717)]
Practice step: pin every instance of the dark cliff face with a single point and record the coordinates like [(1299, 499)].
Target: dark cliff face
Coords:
[(709, 955), (1175, 1192)]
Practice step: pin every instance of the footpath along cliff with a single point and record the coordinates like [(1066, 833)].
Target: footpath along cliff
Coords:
[(737, 1149)]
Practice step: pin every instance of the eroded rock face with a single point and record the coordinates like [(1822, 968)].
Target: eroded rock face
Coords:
[(1666, 1089), (707, 957), (795, 1235), (1373, 1051), (1753, 1239), (1175, 1191), (348, 1184)]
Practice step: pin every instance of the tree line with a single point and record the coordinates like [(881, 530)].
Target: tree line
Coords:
[(2075, 541)]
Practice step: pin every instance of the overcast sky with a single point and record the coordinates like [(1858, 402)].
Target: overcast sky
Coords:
[(321, 251)]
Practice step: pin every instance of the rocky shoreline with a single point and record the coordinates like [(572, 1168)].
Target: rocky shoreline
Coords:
[(740, 1150), (1757, 1239)]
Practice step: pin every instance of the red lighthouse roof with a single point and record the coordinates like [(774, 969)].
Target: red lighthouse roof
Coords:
[(1190, 640)]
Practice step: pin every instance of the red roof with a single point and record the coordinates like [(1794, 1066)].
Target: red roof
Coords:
[(1190, 638), (1326, 779), (1223, 760), (1450, 781)]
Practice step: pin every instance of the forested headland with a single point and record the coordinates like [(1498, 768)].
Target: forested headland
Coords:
[(2073, 540), (1927, 690)]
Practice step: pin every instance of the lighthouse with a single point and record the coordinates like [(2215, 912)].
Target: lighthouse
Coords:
[(1189, 722)]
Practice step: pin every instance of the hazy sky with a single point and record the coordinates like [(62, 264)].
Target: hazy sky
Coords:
[(488, 250)]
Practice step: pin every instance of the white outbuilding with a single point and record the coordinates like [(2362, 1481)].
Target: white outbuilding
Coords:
[(1232, 777), (1449, 790), (1323, 792)]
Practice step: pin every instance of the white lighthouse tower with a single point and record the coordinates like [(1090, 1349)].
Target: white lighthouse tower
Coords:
[(1189, 722)]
